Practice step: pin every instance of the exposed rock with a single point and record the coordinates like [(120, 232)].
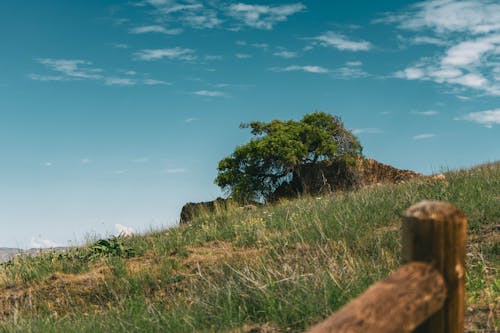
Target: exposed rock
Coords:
[(193, 209), (328, 176), (372, 172)]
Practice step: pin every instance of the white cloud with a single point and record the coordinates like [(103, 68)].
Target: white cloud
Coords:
[(190, 120), (286, 54), (117, 81), (123, 231), (153, 82), (308, 69), (209, 93), (428, 40), (120, 171), (74, 69), (85, 160), (471, 29), (423, 136), (341, 42), (447, 16), (353, 63), (206, 20), (37, 77), (194, 15), (81, 70), (47, 164), (472, 51), (171, 53), (168, 7), (211, 57), (155, 29), (39, 243), (426, 113), (120, 46), (176, 170), (351, 70), (410, 73), (261, 16), (371, 130), (260, 45), (487, 118), (243, 55)]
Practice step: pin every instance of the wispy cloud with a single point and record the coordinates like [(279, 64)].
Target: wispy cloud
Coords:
[(120, 171), (194, 15), (120, 46), (47, 164), (351, 70), (153, 82), (211, 57), (487, 118), (75, 69), (46, 78), (206, 20), (170, 53), (426, 113), (307, 69), (428, 40), (39, 243), (155, 29), (243, 55), (423, 136), (369, 130), (341, 42), (263, 16), (85, 160), (71, 70), (260, 45), (286, 54), (209, 93), (190, 120), (117, 81)]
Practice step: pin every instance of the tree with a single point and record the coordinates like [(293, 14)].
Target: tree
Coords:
[(280, 151)]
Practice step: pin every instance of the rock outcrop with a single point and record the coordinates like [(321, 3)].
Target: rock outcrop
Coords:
[(370, 172), (328, 176), (194, 209)]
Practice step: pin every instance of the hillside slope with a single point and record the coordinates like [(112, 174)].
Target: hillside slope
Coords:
[(274, 269)]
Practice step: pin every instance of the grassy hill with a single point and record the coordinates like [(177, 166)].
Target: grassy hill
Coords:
[(278, 268)]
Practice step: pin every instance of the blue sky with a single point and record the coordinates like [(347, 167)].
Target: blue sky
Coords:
[(113, 114)]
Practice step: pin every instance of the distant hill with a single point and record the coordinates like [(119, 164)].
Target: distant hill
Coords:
[(6, 253)]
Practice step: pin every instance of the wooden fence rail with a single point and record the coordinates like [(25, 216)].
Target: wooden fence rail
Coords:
[(427, 293)]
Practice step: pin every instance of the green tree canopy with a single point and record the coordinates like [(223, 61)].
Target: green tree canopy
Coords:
[(278, 152)]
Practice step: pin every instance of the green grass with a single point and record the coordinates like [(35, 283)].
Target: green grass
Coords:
[(281, 267)]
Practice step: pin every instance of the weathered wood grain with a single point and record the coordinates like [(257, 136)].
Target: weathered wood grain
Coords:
[(397, 304), (435, 232)]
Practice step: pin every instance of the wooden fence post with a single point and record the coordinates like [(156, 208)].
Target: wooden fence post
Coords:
[(397, 304), (435, 232)]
